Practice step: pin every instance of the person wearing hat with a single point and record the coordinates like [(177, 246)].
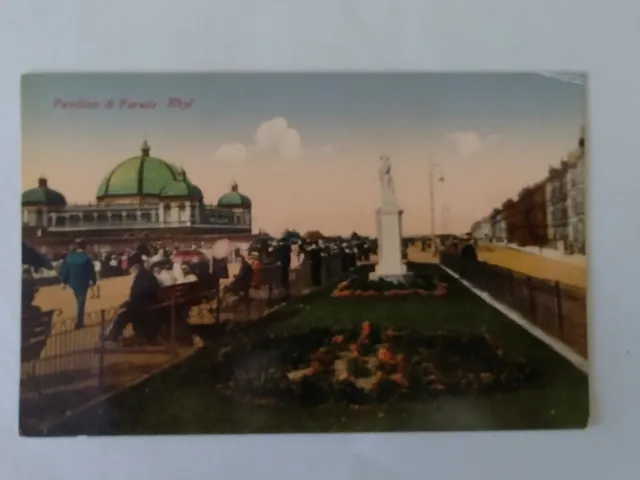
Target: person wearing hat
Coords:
[(95, 288), (256, 269), (162, 269), (315, 258), (283, 257), (241, 283), (143, 293), (77, 272)]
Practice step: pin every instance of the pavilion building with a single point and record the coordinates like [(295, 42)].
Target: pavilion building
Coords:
[(141, 195)]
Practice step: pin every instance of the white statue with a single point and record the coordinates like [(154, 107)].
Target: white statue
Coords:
[(386, 183)]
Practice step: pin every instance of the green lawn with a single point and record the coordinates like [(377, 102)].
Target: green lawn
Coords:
[(183, 401)]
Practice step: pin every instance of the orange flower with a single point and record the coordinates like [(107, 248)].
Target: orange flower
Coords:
[(337, 339), (366, 329), (399, 379), (314, 368), (341, 293), (385, 355), (370, 293)]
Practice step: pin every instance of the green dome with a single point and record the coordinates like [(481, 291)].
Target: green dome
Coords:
[(43, 195), (181, 188), (234, 199), (141, 175)]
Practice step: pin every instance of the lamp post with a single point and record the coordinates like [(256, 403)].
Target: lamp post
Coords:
[(432, 197)]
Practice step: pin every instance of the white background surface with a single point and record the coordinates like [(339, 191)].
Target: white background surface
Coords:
[(601, 38)]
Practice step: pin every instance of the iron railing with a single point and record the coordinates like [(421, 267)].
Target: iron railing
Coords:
[(558, 309), (63, 367)]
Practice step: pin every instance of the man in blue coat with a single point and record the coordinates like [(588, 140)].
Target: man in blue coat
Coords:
[(78, 273)]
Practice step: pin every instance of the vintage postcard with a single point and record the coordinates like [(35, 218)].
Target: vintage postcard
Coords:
[(261, 253)]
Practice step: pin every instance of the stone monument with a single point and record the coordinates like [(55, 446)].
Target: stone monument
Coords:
[(389, 230)]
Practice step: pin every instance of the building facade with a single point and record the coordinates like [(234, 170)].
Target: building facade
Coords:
[(498, 226), (511, 220), (529, 220), (550, 213), (142, 193), (557, 211), (576, 199), (481, 230)]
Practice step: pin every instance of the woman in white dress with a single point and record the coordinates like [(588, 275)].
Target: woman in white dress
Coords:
[(295, 257), (95, 289)]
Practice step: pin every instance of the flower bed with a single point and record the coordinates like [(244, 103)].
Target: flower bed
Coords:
[(371, 365), (362, 287)]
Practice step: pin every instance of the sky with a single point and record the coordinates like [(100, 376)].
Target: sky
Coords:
[(305, 147)]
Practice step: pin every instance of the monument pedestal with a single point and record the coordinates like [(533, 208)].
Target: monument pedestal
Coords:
[(389, 229)]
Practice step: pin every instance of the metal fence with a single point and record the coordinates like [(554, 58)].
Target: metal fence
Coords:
[(558, 309), (63, 367)]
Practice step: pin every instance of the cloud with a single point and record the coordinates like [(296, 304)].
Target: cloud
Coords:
[(577, 78), (290, 144), (274, 138), (468, 143), (233, 152), (269, 133)]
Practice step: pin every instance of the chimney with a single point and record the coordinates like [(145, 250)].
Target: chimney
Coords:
[(42, 182)]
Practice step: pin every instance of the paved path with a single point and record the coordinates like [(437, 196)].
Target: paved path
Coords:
[(535, 265), (417, 255), (71, 358), (523, 262), (69, 351)]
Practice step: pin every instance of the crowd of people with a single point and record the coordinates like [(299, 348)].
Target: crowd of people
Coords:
[(154, 266)]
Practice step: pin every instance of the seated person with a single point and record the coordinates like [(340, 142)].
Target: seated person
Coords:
[(220, 268), (248, 276), (182, 272), (162, 269), (178, 271), (143, 294), (242, 281)]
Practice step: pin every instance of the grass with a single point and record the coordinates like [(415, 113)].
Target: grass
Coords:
[(184, 401)]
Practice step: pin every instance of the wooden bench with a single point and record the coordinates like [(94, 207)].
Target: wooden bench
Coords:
[(168, 318)]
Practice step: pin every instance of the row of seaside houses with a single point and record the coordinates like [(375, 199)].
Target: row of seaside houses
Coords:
[(550, 213)]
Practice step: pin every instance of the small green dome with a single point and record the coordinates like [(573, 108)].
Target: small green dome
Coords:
[(234, 198), (43, 195), (182, 187), (141, 175)]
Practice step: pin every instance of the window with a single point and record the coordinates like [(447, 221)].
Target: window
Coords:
[(39, 218)]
